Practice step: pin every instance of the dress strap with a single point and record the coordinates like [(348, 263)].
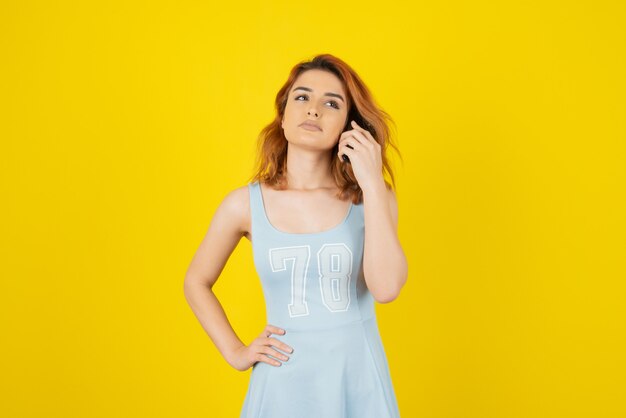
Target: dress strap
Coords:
[(257, 211)]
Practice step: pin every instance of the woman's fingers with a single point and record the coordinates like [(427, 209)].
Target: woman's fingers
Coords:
[(366, 133), (271, 329), (355, 142), (357, 135), (259, 350), (273, 342), (278, 344), (265, 345), (347, 143), (265, 359), (275, 353)]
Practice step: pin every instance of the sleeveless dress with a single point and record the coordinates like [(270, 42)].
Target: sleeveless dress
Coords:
[(314, 289)]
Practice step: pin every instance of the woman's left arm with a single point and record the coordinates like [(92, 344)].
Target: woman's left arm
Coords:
[(384, 263)]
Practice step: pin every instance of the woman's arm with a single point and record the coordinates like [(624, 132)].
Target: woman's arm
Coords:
[(228, 225), (384, 263)]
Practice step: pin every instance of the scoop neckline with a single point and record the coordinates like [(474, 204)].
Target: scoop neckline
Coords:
[(340, 224)]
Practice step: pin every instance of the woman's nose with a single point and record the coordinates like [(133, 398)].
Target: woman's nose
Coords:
[(313, 109)]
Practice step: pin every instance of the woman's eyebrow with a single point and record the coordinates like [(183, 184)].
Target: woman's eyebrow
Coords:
[(325, 94)]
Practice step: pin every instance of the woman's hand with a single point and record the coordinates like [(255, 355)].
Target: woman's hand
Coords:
[(245, 357), (365, 155)]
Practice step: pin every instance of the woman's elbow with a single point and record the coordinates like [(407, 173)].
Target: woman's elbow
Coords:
[(388, 290), (388, 295), (385, 297)]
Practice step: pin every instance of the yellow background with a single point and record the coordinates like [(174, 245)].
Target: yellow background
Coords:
[(124, 124)]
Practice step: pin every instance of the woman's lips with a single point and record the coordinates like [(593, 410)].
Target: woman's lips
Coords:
[(310, 127)]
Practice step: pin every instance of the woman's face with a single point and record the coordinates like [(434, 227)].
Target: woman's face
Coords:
[(317, 97)]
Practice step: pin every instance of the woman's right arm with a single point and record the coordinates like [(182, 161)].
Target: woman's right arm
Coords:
[(229, 224)]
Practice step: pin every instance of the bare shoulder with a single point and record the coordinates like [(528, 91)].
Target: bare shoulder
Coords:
[(237, 204)]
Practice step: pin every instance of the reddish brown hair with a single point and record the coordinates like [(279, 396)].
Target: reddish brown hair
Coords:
[(271, 163)]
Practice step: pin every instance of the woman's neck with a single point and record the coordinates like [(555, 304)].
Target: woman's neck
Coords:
[(307, 171)]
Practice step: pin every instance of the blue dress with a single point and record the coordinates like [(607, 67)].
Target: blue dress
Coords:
[(314, 289)]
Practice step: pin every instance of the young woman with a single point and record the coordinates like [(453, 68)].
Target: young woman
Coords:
[(322, 221)]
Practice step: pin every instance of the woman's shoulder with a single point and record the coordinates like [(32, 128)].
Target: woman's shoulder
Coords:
[(236, 198), (237, 203)]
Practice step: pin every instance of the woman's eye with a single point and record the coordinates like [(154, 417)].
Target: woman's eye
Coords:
[(335, 105)]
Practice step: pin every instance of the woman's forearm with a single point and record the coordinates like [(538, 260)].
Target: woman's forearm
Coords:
[(212, 317), (384, 263)]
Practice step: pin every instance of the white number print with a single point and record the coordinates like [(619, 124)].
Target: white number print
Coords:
[(334, 263), (300, 256)]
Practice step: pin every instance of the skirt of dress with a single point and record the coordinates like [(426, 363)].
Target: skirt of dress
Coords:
[(339, 372)]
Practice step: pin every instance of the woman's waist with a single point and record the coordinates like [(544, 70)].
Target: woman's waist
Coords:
[(317, 325)]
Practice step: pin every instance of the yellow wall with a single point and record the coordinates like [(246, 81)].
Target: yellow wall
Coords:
[(124, 124)]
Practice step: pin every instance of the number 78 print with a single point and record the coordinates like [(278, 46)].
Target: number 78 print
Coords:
[(334, 265)]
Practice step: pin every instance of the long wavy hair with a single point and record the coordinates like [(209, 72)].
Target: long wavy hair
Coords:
[(271, 162)]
